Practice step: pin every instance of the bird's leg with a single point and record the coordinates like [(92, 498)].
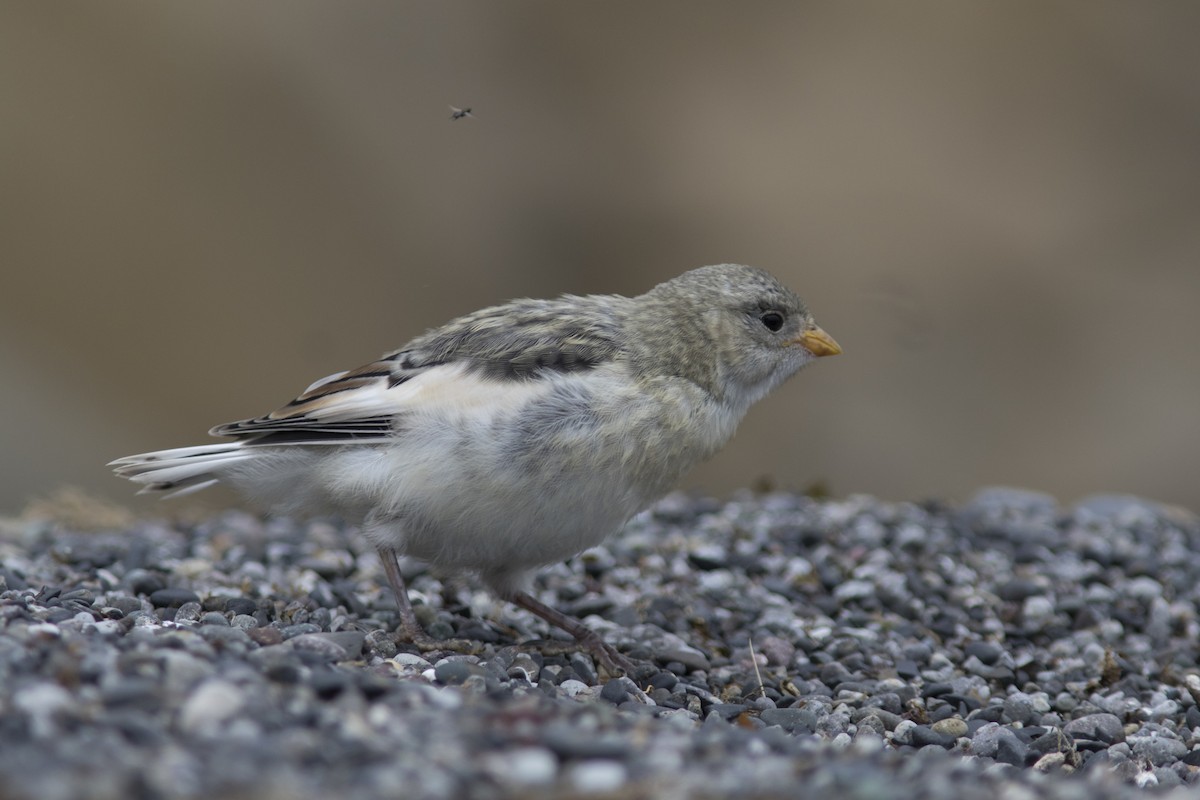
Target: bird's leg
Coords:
[(605, 654), (408, 618), (410, 627)]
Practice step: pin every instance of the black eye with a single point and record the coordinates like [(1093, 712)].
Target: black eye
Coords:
[(773, 320)]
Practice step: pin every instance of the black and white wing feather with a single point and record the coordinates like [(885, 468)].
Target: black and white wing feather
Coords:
[(462, 363)]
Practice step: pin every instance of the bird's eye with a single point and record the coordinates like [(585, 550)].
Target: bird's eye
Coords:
[(773, 320)]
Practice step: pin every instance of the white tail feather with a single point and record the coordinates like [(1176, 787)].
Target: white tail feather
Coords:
[(182, 470)]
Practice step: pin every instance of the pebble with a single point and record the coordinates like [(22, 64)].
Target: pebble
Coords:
[(787, 718), (1105, 728), (456, 671), (951, 726), (172, 598), (523, 766), (596, 777), (1008, 648), (209, 706), (994, 741)]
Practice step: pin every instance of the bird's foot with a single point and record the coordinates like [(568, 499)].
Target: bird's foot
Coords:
[(608, 659), (425, 643)]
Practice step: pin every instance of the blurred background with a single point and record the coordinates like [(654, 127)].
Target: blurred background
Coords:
[(994, 208)]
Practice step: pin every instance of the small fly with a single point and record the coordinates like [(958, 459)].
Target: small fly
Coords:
[(459, 113)]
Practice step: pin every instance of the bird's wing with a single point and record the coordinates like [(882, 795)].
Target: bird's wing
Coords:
[(492, 357)]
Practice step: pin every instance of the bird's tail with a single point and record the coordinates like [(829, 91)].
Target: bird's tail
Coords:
[(182, 470)]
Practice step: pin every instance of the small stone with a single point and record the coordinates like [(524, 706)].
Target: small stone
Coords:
[(887, 719), (523, 766), (173, 598), (903, 732), (265, 637), (141, 581), (1018, 707), (524, 668), (240, 605), (853, 590), (1158, 749), (664, 680), (350, 641), (182, 671), (1018, 590), (125, 604), (951, 726), (596, 776), (921, 735), (41, 702), (690, 657), (728, 710), (1053, 762), (225, 635), (615, 692), (994, 741), (1143, 588), (573, 688), (299, 629), (987, 652), (411, 660), (211, 704), (778, 651), (1104, 728), (455, 672), (790, 719), (708, 557), (1037, 610), (381, 643)]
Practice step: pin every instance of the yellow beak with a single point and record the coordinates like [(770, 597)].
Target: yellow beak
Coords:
[(818, 342)]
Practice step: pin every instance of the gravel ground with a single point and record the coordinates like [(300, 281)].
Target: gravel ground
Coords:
[(1005, 648)]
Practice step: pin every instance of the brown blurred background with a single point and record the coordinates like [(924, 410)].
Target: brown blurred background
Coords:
[(994, 207)]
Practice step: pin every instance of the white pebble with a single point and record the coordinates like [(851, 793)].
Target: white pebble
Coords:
[(597, 775), (210, 705)]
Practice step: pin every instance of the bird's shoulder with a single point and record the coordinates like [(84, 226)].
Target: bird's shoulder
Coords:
[(523, 339)]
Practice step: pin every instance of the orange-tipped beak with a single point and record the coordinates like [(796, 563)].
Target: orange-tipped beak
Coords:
[(818, 342)]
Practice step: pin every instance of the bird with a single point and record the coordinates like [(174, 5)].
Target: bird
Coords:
[(459, 113), (518, 435)]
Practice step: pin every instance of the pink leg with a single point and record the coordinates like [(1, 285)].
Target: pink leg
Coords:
[(605, 654)]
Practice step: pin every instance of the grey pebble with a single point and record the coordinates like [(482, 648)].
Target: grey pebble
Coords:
[(456, 671), (615, 692), (1159, 747), (1006, 648), (173, 598), (213, 618), (994, 741), (339, 646), (1106, 728), (243, 621), (225, 635), (240, 605), (951, 726), (209, 706), (790, 719), (124, 603), (690, 657), (596, 776)]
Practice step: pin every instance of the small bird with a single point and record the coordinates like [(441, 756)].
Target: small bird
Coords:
[(518, 435), (459, 113)]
